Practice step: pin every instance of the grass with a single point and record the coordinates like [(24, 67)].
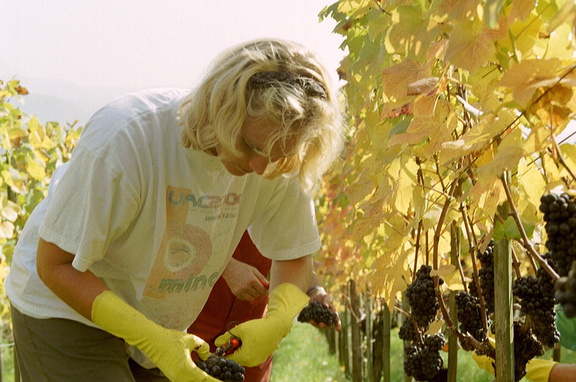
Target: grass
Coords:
[(304, 356)]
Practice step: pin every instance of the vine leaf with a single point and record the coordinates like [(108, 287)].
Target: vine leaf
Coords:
[(471, 44), (390, 275), (524, 78), (509, 230), (509, 153), (435, 327), (6, 230)]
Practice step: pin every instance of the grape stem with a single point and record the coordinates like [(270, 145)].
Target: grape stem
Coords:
[(527, 244), (483, 347)]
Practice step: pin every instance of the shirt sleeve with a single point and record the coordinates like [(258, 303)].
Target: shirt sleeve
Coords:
[(287, 229), (93, 204)]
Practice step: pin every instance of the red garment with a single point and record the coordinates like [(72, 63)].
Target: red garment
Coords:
[(223, 308)]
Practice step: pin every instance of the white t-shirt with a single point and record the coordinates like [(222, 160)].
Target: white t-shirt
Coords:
[(156, 221)]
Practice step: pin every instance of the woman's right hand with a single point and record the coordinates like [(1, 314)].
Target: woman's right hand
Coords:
[(244, 280)]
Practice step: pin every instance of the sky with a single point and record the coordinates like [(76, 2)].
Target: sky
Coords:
[(73, 55)]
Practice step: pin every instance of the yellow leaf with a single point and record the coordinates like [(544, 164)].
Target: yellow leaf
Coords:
[(551, 170), (538, 140), (456, 8), (35, 169), (443, 271), (397, 78), (6, 230), (569, 154), (7, 176), (524, 35), (554, 107), (560, 43), (17, 132), (525, 77), (369, 222), (435, 327), (477, 138), (509, 153), (405, 170), (347, 6), (21, 90), (532, 186), (411, 33), (10, 210), (566, 15), (390, 275), (487, 197), (471, 45), (450, 275), (419, 129), (431, 217), (521, 9)]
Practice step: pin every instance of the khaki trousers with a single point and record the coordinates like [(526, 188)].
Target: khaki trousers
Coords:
[(60, 350)]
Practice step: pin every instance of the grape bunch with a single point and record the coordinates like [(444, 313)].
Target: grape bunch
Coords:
[(566, 292), (526, 347), (316, 311), (422, 297), (222, 368), (486, 276), (560, 216), (536, 296), (423, 362), (408, 332), (470, 315)]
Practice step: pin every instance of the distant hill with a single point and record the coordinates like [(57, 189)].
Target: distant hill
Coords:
[(65, 102)]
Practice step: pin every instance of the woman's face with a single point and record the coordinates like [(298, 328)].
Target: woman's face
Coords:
[(252, 144)]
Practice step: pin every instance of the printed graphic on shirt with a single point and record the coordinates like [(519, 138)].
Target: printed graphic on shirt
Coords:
[(187, 247)]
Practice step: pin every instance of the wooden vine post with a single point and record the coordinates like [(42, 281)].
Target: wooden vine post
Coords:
[(386, 343), (369, 334), (452, 338), (356, 344), (503, 306)]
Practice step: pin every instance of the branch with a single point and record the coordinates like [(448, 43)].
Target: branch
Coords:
[(561, 159), (527, 244)]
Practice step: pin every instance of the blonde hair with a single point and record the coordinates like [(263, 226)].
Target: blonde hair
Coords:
[(213, 114)]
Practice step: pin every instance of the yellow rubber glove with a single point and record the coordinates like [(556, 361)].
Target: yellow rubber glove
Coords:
[(538, 370), (261, 337), (169, 349)]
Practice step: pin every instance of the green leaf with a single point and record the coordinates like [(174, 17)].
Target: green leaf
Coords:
[(509, 229)]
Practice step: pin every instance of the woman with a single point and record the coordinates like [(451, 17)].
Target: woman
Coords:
[(120, 257)]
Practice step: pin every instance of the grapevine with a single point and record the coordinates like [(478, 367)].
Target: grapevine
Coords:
[(455, 109)]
